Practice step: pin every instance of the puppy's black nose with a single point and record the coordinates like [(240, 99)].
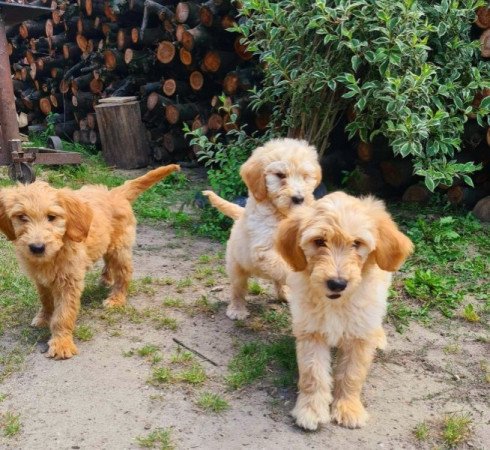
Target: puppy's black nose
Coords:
[(37, 249), (337, 284), (297, 199)]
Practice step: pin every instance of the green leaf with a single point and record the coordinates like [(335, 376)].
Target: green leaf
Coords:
[(430, 183)]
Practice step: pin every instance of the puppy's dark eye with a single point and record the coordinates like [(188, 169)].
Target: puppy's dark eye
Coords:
[(320, 242), (280, 175), (23, 218), (356, 244), (51, 218)]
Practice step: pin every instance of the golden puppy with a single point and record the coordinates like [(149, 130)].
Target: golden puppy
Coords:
[(342, 250), (59, 234), (279, 176)]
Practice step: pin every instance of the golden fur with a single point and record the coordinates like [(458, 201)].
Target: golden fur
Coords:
[(342, 250), (59, 233), (279, 176)]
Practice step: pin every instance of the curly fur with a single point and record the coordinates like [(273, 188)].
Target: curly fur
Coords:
[(276, 174), (59, 233), (353, 242)]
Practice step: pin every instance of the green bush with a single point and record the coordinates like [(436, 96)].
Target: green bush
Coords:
[(409, 70)]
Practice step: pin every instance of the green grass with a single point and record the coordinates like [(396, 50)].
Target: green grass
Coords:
[(209, 401), (452, 252), (173, 302), (147, 350), (182, 357), (422, 431), (277, 320), (2, 397), (456, 429), (10, 424), (160, 438), (254, 288), (253, 359), (160, 375), (83, 332), (193, 375)]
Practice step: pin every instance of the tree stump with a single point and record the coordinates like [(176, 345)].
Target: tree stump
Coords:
[(124, 140)]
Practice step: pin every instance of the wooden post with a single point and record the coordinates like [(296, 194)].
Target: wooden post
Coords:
[(8, 114), (124, 140)]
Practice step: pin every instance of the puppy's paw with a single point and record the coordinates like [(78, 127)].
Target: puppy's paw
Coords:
[(40, 320), (114, 301), (308, 418), (349, 413), (61, 348), (235, 313)]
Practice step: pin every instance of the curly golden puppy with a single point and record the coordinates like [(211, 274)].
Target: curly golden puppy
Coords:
[(279, 176), (59, 233), (342, 250)]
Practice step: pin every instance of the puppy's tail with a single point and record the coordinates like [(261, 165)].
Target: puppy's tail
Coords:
[(131, 189), (227, 208)]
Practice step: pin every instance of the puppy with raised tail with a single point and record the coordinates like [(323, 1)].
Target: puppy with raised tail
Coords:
[(59, 233), (342, 250), (280, 176)]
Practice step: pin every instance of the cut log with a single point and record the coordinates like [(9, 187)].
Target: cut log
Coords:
[(51, 28), (31, 29), (174, 142), (148, 37), (84, 102), (156, 101), (215, 122), (114, 61), (148, 88), (482, 209), (239, 80), (86, 137), (241, 49), (416, 193), (483, 17), (139, 61), (45, 105), (187, 12), (485, 44), (123, 39), (365, 151), (177, 113), (462, 195), (397, 172), (172, 87), (166, 52), (219, 62), (124, 141), (185, 56), (198, 37), (196, 80)]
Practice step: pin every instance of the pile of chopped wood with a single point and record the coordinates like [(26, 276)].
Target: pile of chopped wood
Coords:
[(176, 57)]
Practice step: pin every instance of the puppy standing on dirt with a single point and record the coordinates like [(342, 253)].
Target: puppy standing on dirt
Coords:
[(59, 234), (280, 176), (342, 250)]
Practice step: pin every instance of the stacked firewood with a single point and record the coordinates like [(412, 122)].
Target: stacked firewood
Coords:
[(176, 57)]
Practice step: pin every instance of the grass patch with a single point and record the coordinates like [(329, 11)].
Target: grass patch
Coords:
[(147, 350), (83, 333), (255, 357), (421, 431), (254, 288), (173, 302), (160, 375), (10, 423), (142, 286), (209, 401), (183, 284), (3, 397), (160, 438), (456, 429), (182, 357), (469, 313), (451, 255), (194, 375), (205, 306)]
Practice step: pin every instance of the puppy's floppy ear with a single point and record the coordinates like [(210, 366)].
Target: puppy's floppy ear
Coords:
[(392, 246), (5, 222), (252, 173), (78, 216), (287, 243)]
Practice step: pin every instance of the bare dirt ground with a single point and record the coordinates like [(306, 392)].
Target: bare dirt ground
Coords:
[(101, 399)]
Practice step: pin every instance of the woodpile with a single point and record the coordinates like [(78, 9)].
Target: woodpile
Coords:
[(176, 57)]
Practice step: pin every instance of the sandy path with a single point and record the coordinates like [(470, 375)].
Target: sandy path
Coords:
[(101, 399)]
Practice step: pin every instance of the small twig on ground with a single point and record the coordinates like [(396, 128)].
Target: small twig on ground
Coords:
[(195, 352)]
